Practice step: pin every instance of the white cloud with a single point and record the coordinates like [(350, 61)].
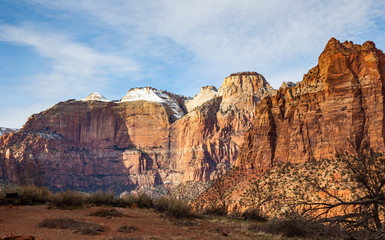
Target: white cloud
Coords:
[(201, 40), (75, 66), (227, 34)]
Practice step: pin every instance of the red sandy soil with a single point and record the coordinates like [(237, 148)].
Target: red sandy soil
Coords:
[(23, 220)]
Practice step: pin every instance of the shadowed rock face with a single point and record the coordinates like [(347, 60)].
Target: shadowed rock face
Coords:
[(93, 144), (337, 107)]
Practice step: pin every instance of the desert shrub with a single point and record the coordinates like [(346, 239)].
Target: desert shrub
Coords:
[(298, 227), (33, 195), (124, 238), (142, 201), (101, 198), (125, 202), (215, 210), (107, 213), (161, 204), (172, 207), (2, 197), (178, 209), (80, 227), (127, 229), (28, 195), (67, 200), (253, 214)]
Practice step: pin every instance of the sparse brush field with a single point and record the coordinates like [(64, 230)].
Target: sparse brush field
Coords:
[(135, 223), (100, 215)]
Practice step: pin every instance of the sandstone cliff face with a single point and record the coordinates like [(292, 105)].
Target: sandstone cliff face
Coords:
[(4, 130), (338, 106), (206, 93), (89, 144), (147, 138), (206, 141)]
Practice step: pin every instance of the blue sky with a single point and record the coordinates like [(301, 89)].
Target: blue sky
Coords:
[(51, 51)]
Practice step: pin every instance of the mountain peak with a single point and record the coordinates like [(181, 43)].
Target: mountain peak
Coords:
[(95, 96), (171, 102), (245, 82), (205, 94)]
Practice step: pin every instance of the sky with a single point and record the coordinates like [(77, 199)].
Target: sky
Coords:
[(52, 51)]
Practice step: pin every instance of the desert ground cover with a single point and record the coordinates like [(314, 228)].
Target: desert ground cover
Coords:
[(134, 224)]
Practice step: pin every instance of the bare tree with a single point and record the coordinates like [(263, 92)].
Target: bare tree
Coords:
[(364, 210)]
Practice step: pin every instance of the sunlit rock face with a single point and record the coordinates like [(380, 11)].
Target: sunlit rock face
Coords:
[(146, 138), (338, 106)]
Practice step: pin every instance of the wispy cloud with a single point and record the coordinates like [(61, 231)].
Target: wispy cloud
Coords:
[(74, 66), (181, 45), (234, 35)]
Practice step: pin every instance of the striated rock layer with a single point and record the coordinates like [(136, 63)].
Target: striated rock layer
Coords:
[(147, 138), (337, 108)]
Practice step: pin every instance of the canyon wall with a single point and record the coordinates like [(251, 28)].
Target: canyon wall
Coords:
[(338, 107), (149, 137)]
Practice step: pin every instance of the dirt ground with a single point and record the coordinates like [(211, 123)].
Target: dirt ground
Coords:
[(150, 225)]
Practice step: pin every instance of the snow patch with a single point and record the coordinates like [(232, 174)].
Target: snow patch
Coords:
[(4, 130), (50, 136), (206, 93), (154, 95), (95, 96), (145, 94)]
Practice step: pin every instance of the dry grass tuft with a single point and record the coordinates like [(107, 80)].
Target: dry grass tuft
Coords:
[(127, 229), (80, 227), (107, 213)]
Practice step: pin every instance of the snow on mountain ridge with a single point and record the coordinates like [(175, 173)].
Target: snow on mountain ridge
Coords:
[(146, 94), (4, 130), (206, 93), (154, 95), (95, 96)]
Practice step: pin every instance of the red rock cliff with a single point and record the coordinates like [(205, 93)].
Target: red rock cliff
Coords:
[(338, 106), (95, 143)]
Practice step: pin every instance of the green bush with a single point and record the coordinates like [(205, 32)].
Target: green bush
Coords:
[(101, 198), (67, 200)]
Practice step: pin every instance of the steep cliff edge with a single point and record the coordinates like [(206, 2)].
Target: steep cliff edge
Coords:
[(146, 138), (338, 107), (206, 141)]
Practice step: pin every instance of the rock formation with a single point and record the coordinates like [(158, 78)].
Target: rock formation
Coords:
[(337, 108), (4, 130), (95, 96), (146, 138), (207, 93)]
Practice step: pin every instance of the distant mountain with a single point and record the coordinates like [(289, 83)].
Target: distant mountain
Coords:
[(147, 138), (4, 130)]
